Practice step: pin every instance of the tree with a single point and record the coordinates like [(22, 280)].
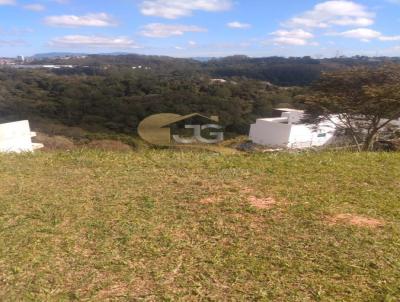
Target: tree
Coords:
[(361, 101)]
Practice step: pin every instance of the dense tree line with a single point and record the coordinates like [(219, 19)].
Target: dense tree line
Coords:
[(362, 102), (106, 92), (277, 70), (119, 98)]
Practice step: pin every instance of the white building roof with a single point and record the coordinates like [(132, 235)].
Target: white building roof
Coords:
[(289, 110), (274, 119)]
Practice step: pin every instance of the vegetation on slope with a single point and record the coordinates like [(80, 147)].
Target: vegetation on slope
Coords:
[(165, 225), (118, 99), (294, 71)]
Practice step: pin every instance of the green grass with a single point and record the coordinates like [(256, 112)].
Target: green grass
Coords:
[(97, 226)]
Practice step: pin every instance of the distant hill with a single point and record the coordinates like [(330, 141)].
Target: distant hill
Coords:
[(281, 71), (203, 59), (52, 55), (159, 64)]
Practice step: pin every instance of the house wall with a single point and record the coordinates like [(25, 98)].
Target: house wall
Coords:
[(396, 123), (270, 133), (294, 116), (15, 137), (286, 132), (276, 133), (306, 136)]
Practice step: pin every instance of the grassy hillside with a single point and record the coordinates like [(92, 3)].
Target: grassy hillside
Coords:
[(165, 225)]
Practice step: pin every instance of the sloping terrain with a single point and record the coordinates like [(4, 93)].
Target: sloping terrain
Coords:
[(169, 225)]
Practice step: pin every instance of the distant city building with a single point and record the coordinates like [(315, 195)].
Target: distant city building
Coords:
[(21, 59), (222, 81), (141, 67), (27, 66), (7, 61)]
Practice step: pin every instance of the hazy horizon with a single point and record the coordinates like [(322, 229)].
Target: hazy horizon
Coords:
[(57, 54)]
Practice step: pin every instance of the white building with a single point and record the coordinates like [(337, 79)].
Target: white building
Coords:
[(17, 137), (287, 131), (221, 81)]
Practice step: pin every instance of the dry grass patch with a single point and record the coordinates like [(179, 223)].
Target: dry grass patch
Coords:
[(138, 288), (109, 145), (114, 291), (262, 203), (356, 220), (210, 200)]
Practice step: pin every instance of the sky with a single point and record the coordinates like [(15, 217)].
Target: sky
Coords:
[(201, 28)]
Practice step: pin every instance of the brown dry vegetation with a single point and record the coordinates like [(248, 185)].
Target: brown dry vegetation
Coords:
[(109, 145), (356, 220), (56, 142), (262, 203)]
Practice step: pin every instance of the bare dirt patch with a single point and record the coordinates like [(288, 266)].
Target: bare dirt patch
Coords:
[(262, 203), (356, 220), (109, 145), (56, 142)]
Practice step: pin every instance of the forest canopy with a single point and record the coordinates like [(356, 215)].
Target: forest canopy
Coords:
[(118, 99), (116, 92)]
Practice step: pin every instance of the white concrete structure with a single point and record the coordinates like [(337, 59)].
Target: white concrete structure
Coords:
[(287, 131), (222, 81), (17, 137)]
